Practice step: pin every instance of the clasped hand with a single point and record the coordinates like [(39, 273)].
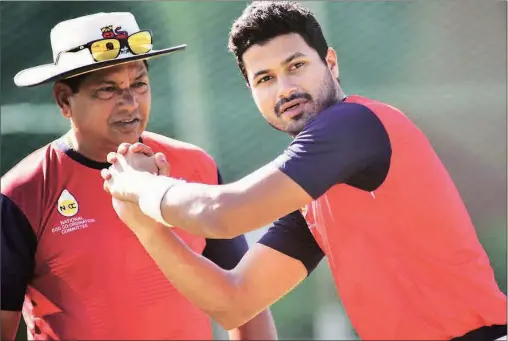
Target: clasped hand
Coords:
[(132, 168)]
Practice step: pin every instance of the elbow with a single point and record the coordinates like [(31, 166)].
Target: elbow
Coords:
[(231, 319), (234, 309), (218, 218), (220, 227), (215, 224), (228, 323)]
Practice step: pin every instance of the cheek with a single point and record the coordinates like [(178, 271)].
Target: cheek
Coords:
[(89, 113), (144, 103), (265, 102)]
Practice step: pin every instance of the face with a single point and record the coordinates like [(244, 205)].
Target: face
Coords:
[(112, 105), (289, 82)]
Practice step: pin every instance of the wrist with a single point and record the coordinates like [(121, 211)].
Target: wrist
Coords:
[(150, 235), (151, 197)]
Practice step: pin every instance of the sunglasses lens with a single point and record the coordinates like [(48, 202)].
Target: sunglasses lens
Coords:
[(140, 42), (105, 49)]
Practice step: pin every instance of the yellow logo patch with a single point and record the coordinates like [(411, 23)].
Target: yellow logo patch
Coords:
[(67, 204)]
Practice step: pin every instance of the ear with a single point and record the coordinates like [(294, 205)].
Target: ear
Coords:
[(332, 62), (62, 94)]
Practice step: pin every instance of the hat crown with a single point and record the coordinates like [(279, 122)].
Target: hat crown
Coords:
[(79, 31)]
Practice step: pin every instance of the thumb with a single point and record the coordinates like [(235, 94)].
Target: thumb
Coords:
[(162, 164)]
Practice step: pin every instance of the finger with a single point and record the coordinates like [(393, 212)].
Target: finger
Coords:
[(121, 163), (162, 164), (106, 186), (139, 147), (113, 171), (123, 148), (106, 175), (112, 157)]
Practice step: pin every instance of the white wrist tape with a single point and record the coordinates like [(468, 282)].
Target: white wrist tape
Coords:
[(150, 199)]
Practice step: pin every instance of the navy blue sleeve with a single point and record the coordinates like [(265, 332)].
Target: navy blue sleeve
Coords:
[(226, 253), (18, 251), (345, 143), (291, 236)]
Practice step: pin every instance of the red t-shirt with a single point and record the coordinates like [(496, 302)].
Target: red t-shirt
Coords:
[(88, 276), (399, 241)]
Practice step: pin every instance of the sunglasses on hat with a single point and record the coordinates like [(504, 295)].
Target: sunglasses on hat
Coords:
[(109, 48)]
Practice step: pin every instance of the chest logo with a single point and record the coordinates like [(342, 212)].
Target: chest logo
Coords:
[(67, 205)]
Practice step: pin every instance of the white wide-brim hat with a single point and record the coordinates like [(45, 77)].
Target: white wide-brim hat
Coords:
[(73, 33)]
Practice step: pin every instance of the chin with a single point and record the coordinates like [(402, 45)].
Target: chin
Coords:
[(127, 138), (298, 123)]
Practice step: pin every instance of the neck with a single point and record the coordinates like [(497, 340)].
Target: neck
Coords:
[(91, 149), (340, 93)]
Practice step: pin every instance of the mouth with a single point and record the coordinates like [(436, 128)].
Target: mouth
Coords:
[(128, 121), (292, 108), (127, 124)]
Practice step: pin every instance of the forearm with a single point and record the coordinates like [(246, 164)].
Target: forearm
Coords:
[(9, 324), (224, 211), (261, 327), (205, 284), (211, 211), (196, 208)]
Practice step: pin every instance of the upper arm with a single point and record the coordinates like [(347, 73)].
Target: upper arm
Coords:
[(18, 245), (346, 143), (281, 259)]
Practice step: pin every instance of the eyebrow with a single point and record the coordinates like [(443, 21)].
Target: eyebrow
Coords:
[(284, 62), (142, 74), (105, 81)]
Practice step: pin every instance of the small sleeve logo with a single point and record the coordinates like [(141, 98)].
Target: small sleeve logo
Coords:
[(304, 210)]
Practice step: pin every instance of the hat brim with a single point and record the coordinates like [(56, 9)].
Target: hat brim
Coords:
[(51, 73)]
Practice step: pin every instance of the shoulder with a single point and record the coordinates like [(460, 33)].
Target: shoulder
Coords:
[(374, 105), (29, 173), (383, 111), (343, 115), (339, 125), (27, 185)]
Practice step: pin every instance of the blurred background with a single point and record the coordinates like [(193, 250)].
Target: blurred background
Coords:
[(441, 62)]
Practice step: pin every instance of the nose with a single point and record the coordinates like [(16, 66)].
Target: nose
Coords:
[(129, 100), (286, 88)]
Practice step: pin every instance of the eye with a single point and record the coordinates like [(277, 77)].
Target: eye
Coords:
[(140, 85), (108, 89), (296, 65), (264, 79)]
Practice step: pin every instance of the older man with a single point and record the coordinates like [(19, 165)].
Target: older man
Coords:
[(68, 262)]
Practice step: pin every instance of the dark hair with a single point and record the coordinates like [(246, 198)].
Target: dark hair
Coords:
[(75, 82), (265, 20)]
